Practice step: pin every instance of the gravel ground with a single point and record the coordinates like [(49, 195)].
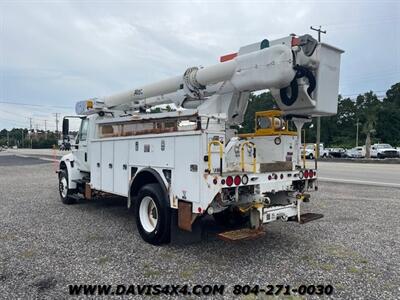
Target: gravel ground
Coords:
[(45, 245)]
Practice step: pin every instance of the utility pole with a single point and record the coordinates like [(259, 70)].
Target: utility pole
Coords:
[(357, 124), (57, 116), (319, 30), (30, 131), (8, 138), (22, 138), (45, 129)]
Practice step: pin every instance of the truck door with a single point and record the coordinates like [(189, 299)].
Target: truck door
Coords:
[(81, 147)]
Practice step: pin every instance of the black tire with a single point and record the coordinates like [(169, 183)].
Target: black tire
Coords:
[(64, 195), (380, 156), (231, 218), (161, 234), (311, 156)]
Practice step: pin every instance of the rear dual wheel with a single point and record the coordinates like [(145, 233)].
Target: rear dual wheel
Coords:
[(153, 216)]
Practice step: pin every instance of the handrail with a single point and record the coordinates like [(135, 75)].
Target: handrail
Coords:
[(221, 154), (242, 155)]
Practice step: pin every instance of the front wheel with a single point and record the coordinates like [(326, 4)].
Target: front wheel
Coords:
[(311, 156), (63, 188), (153, 216)]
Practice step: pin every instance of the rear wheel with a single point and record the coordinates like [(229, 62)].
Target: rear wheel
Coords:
[(63, 188), (153, 216)]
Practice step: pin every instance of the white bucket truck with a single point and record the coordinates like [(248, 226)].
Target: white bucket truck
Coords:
[(191, 160)]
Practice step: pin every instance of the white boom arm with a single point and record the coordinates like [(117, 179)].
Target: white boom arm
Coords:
[(301, 73)]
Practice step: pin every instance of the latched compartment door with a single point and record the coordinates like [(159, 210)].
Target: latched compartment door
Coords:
[(95, 165), (121, 179), (107, 166)]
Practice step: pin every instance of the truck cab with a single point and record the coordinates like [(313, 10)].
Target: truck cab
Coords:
[(383, 151)]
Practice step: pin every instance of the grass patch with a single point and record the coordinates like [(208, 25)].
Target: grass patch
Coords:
[(103, 260), (91, 237), (354, 270), (28, 254), (151, 273), (327, 267)]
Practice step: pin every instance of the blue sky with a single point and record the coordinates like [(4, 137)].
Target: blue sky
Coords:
[(54, 53)]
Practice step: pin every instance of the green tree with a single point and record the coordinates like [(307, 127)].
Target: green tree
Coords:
[(260, 102), (388, 119)]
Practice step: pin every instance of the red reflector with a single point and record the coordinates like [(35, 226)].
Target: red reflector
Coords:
[(237, 180), (229, 180), (227, 57), (295, 41)]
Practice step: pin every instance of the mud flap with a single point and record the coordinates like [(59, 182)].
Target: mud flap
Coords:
[(184, 237)]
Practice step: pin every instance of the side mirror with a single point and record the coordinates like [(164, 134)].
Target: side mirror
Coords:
[(65, 127)]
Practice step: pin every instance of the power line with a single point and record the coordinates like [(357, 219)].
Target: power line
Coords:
[(35, 105)]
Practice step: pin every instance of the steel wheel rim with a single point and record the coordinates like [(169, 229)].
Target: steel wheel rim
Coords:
[(63, 187), (148, 214)]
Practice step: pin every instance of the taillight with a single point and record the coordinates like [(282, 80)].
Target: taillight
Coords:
[(281, 176), (310, 173), (222, 181), (269, 177), (315, 173), (306, 174), (229, 180), (215, 181), (237, 180)]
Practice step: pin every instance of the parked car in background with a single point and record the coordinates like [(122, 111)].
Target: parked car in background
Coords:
[(337, 152), (356, 152), (383, 151), (310, 151)]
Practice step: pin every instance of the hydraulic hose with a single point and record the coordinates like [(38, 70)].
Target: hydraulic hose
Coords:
[(294, 87)]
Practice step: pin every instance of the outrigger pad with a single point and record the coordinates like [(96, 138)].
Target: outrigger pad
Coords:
[(308, 217), (241, 234)]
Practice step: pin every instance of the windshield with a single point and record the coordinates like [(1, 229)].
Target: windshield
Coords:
[(83, 131), (383, 146)]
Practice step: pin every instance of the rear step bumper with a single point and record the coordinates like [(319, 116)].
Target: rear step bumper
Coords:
[(252, 234), (241, 234)]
